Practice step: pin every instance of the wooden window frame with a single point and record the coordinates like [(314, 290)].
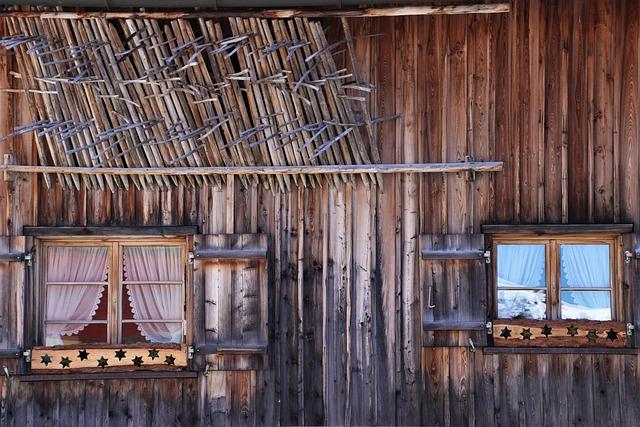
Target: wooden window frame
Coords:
[(552, 274), (114, 284)]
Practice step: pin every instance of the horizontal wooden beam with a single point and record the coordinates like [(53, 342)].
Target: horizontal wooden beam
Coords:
[(370, 12), (143, 230), (452, 254), (560, 350), (265, 170), (231, 254), (542, 229)]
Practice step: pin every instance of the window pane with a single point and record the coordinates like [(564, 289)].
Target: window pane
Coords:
[(585, 266), (521, 266), (593, 305), (525, 304), (155, 332), (144, 265), (91, 333)]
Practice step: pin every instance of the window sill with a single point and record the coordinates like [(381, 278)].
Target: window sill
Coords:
[(559, 350), (107, 376)]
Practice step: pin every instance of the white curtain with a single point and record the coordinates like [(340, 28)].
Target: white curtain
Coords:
[(586, 266), (155, 302), (73, 302), (521, 265)]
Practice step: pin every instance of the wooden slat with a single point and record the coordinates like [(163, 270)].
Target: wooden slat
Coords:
[(454, 326)]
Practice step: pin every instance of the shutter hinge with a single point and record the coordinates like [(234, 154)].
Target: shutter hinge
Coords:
[(628, 256), (192, 258), (489, 326), (28, 258), (27, 355), (630, 329), (190, 351), (487, 257)]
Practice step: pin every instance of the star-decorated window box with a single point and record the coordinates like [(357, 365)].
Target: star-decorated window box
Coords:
[(94, 358), (558, 333)]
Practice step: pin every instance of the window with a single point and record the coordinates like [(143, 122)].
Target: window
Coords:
[(555, 278), (115, 291)]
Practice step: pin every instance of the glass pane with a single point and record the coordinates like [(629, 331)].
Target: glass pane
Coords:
[(92, 333), (521, 266), (529, 304), (152, 302), (585, 266), (593, 305), (76, 302), (155, 332)]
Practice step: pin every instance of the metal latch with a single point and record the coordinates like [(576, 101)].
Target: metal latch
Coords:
[(487, 257), (630, 329), (192, 258), (628, 256), (489, 326), (27, 355)]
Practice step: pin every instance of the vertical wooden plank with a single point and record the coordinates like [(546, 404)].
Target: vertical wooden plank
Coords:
[(387, 236), (409, 410), (435, 371)]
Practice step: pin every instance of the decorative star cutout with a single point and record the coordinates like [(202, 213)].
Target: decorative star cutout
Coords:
[(526, 333), (153, 353), (505, 333), (83, 355), (65, 362), (102, 362), (120, 354), (592, 335), (546, 330), (612, 335), (46, 359), (170, 360), (572, 330), (137, 361)]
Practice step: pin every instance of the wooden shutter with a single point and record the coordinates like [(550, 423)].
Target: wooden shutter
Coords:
[(13, 281), (454, 289), (230, 276), (629, 286)]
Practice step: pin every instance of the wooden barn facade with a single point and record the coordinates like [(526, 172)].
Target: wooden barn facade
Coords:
[(369, 216)]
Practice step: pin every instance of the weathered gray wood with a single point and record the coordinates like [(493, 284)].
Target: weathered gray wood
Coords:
[(231, 254)]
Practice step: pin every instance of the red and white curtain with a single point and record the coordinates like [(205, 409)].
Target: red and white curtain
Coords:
[(157, 293), (75, 301)]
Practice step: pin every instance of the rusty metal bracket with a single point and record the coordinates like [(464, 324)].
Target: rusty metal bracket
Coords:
[(470, 175)]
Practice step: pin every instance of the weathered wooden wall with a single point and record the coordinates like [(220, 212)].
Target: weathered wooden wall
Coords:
[(552, 89)]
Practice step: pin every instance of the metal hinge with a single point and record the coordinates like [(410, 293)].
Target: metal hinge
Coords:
[(489, 326), (190, 352), (27, 355), (487, 257), (470, 175), (630, 329), (192, 258), (28, 258)]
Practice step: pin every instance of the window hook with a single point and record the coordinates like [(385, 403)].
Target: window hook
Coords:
[(472, 347)]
